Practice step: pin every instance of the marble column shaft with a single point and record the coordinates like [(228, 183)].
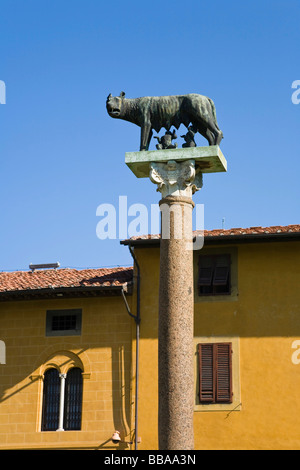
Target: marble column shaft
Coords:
[(176, 321), (177, 181)]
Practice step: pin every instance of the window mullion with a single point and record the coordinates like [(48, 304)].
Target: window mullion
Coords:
[(61, 402)]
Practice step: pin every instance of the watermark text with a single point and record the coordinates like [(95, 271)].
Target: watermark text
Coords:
[(296, 354), (296, 93), (2, 92), (137, 220)]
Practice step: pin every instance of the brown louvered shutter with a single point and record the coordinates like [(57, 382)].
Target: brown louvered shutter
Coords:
[(215, 372), (214, 274), (223, 372), (221, 276), (206, 368), (221, 273), (206, 270)]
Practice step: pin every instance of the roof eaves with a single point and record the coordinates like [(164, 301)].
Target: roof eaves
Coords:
[(66, 292), (252, 237)]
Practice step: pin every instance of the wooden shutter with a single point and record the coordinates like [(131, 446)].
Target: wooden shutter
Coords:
[(215, 372), (221, 272), (206, 368), (205, 276), (206, 270), (214, 274), (221, 276), (223, 372)]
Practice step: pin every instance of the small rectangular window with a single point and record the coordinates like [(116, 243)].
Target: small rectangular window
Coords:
[(214, 275), (63, 322)]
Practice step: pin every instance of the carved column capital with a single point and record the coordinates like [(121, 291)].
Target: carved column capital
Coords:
[(176, 178)]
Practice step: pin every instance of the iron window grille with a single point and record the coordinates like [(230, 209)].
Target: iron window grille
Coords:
[(51, 400), (65, 322), (73, 400)]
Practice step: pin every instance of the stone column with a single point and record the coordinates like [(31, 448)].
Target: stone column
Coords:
[(178, 174), (177, 182)]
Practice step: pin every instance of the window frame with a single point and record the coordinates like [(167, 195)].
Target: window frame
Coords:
[(62, 419), (50, 314), (67, 419), (211, 281), (47, 400), (236, 404)]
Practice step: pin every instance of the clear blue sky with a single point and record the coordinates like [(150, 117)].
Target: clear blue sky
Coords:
[(61, 155)]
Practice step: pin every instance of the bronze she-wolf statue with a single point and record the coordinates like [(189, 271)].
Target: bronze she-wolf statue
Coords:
[(155, 112)]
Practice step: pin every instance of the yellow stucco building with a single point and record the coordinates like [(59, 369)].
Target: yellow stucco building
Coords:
[(68, 371)]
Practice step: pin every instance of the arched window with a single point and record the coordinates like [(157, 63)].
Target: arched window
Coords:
[(73, 400), (51, 399), (62, 400)]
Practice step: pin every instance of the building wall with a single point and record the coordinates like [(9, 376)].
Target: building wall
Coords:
[(260, 318), (262, 321), (103, 351)]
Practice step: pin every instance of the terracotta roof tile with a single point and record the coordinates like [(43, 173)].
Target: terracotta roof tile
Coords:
[(61, 278), (253, 230), (236, 231), (109, 277)]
